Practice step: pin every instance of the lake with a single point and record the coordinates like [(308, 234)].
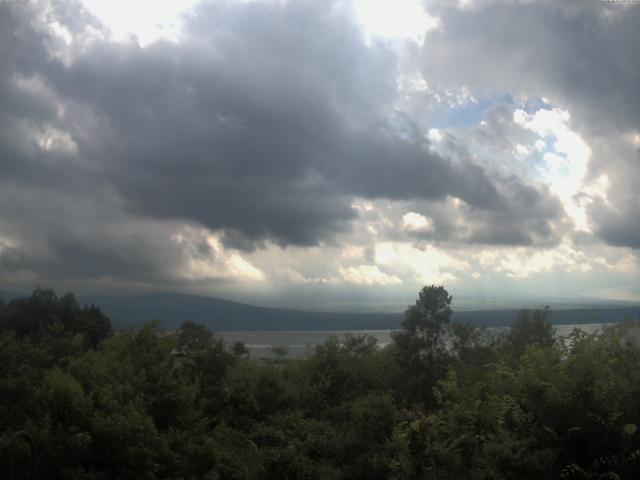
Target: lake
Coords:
[(300, 342)]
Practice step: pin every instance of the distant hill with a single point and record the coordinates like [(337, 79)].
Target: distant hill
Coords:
[(7, 296), (171, 309)]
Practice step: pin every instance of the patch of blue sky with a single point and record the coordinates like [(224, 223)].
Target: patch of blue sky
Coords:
[(539, 167), (548, 140), (403, 125), (472, 112), (464, 115), (533, 166), (532, 105)]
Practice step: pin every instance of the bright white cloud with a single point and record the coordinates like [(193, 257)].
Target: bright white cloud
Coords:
[(434, 135), (413, 221), (149, 21), (205, 258), (145, 19), (239, 266), (426, 265), (394, 19), (56, 141), (368, 275), (567, 164)]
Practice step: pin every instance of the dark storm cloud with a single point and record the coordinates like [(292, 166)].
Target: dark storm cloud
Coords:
[(621, 231), (264, 123), (578, 51), (532, 217), (81, 236), (619, 228), (266, 120), (582, 55)]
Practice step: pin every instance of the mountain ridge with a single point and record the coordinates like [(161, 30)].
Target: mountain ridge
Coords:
[(171, 309)]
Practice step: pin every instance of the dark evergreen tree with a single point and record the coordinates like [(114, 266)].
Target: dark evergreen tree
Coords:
[(419, 346)]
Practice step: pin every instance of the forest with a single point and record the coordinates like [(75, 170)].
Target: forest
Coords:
[(80, 400)]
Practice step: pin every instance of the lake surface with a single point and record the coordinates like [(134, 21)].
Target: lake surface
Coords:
[(299, 343)]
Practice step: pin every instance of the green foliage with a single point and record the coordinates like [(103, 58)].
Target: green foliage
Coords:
[(280, 352), (420, 348), (239, 349), (529, 328), (81, 402), (193, 337), (43, 315), (421, 338)]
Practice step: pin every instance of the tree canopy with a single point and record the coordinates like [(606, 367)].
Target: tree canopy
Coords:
[(80, 401)]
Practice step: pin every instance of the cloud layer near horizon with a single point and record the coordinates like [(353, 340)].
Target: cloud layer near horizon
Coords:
[(275, 145)]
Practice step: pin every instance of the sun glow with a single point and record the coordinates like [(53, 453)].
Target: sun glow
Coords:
[(144, 20), (148, 21), (394, 19), (566, 162)]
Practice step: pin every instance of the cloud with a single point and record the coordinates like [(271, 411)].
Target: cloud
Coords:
[(577, 55), (262, 123), (368, 275), (277, 143), (622, 227), (256, 128)]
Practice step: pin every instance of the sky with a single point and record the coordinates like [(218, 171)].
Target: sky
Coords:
[(321, 153)]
